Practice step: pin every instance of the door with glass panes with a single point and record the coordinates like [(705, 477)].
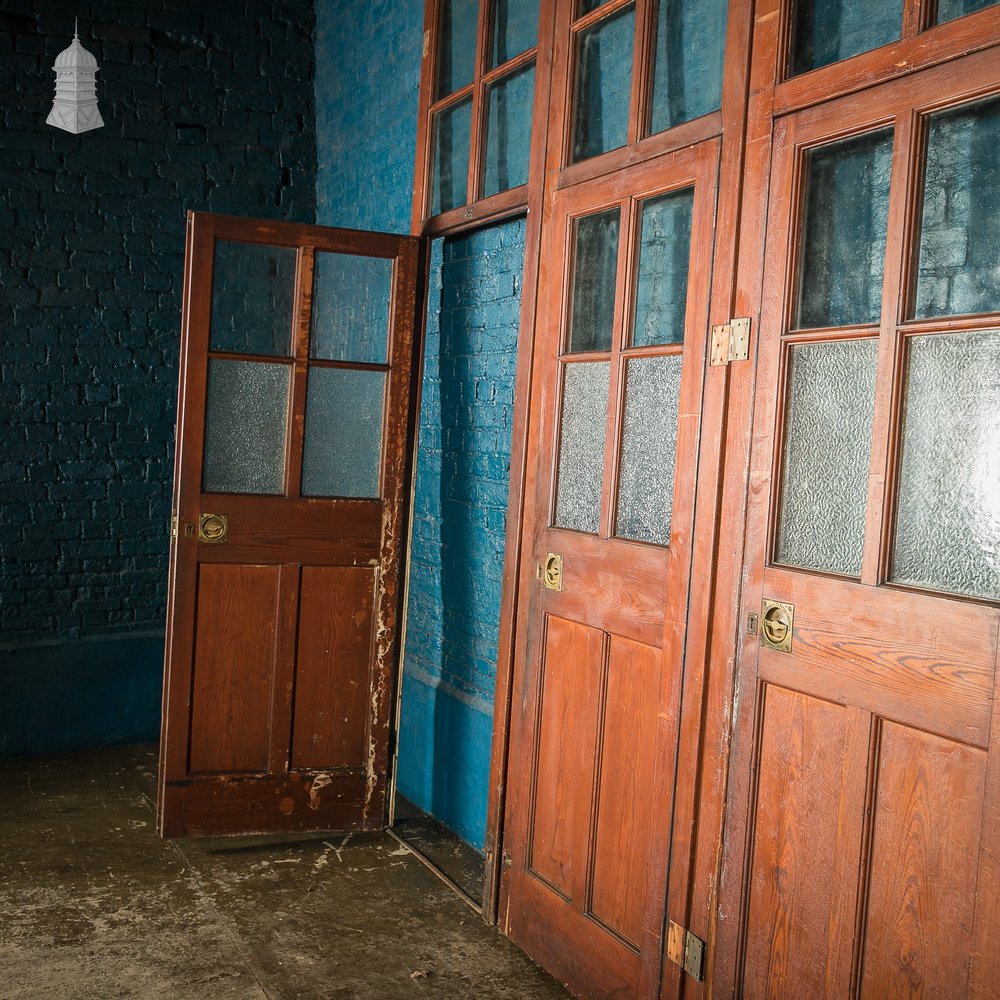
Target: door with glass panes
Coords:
[(620, 351), (863, 851), (292, 448)]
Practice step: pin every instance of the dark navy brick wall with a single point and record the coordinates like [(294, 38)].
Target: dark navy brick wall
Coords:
[(207, 106)]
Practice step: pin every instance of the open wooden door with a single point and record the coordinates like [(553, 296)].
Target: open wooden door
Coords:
[(863, 844), (292, 451), (620, 367)]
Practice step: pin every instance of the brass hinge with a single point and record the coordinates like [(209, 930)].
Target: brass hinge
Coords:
[(731, 341), (686, 950), (506, 859), (173, 524)]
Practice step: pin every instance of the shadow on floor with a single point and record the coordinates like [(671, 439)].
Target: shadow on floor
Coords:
[(96, 907)]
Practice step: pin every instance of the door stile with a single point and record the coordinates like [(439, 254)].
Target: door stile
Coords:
[(302, 312), (283, 681)]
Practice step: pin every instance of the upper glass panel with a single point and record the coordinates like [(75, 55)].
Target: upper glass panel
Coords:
[(456, 55), (586, 6), (843, 244), (957, 270), (603, 83), (688, 57), (508, 131), (350, 310), (661, 282), (825, 32), (513, 29), (948, 10), (592, 290), (452, 134), (948, 509), (253, 292)]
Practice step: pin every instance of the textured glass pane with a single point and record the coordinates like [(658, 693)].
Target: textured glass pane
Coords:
[(687, 73), (586, 6), (343, 438), (452, 130), (828, 433), (960, 227), (253, 289), (825, 32), (456, 45), (508, 131), (595, 263), (581, 445), (948, 10), (350, 310), (245, 422), (514, 28), (843, 250), (661, 283), (948, 514), (649, 449), (603, 81)]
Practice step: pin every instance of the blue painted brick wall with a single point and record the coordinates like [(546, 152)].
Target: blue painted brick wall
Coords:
[(207, 106)]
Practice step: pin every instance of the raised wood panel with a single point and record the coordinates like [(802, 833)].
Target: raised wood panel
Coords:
[(566, 755), (235, 652), (925, 854), (625, 806), (810, 802), (333, 667)]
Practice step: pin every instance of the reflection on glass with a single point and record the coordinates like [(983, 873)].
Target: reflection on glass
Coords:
[(603, 81), (959, 263), (456, 45), (514, 29), (452, 131), (948, 10), (592, 294), (508, 131), (253, 289), (581, 445), (245, 420), (828, 434), (948, 509), (661, 282), (824, 32), (687, 72), (843, 247), (343, 435), (350, 308), (586, 6), (649, 449)]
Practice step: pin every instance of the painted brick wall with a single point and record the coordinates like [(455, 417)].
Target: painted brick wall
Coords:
[(208, 106)]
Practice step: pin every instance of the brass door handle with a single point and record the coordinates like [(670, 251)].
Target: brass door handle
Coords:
[(213, 528), (551, 572), (776, 620)]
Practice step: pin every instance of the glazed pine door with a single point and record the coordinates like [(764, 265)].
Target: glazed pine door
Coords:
[(620, 355), (293, 423), (864, 844)]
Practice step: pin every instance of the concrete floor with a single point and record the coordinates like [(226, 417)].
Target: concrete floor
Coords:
[(94, 906)]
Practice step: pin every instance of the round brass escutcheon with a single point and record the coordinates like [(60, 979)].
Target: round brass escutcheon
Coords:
[(214, 527), (775, 625), (552, 571)]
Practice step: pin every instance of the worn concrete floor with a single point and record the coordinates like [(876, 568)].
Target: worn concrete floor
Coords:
[(94, 906)]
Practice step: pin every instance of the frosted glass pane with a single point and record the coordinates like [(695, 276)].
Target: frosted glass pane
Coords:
[(253, 291), (350, 310), (246, 415), (649, 449), (508, 131), (664, 254), (828, 434), (452, 132), (595, 265), (825, 32), (514, 28), (581, 445), (343, 436), (603, 82), (843, 251), (456, 45), (948, 512), (948, 10), (960, 227), (687, 72)]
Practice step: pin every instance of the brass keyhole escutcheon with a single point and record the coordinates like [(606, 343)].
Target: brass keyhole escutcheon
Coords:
[(776, 620), (213, 528), (552, 572)]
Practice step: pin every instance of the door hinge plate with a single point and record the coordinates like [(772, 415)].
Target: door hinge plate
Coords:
[(686, 950), (731, 341)]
